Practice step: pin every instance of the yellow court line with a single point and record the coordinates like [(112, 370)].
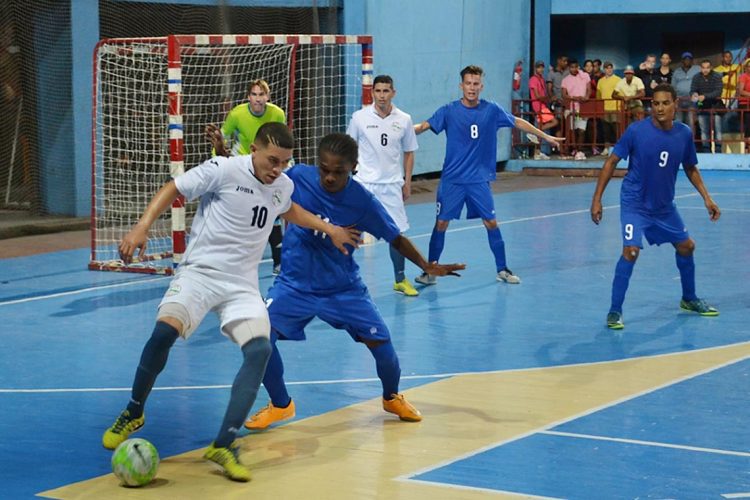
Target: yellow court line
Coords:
[(361, 452)]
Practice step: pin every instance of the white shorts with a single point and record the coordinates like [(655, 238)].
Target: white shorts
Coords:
[(392, 198), (198, 292)]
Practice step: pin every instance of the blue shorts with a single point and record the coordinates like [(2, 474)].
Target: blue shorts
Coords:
[(352, 310), (658, 229), (477, 197)]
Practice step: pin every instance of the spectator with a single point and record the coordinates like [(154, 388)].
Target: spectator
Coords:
[(664, 73), (682, 80), (706, 92), (647, 73), (630, 90), (517, 75), (545, 119), (575, 90), (743, 93), (554, 90), (598, 73), (729, 73), (593, 127), (604, 89)]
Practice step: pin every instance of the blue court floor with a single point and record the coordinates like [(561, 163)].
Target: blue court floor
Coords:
[(72, 339)]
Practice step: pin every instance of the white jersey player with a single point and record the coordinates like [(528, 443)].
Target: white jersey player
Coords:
[(240, 198), (386, 140)]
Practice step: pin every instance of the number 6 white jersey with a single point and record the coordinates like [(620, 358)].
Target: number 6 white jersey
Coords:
[(235, 216), (381, 143)]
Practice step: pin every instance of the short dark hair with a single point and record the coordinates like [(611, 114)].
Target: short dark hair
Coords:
[(706, 61), (587, 61), (573, 61), (340, 145), (275, 133), (598, 61), (471, 70), (665, 87), (383, 79)]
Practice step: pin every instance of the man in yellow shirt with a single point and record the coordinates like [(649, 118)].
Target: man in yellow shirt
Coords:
[(729, 73), (604, 88)]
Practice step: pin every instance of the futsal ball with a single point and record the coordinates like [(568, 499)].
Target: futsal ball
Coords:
[(135, 462)]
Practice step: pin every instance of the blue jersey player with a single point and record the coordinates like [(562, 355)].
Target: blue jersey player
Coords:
[(315, 281), (471, 126), (655, 149)]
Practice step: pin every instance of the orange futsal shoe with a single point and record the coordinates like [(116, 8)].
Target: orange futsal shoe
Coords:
[(269, 415), (401, 407)]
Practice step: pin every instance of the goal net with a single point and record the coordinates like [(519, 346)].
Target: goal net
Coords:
[(153, 98)]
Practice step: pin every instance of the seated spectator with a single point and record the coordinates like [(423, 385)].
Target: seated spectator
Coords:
[(664, 73), (575, 89), (729, 73), (682, 79), (545, 119), (604, 89), (706, 92), (743, 94), (630, 90)]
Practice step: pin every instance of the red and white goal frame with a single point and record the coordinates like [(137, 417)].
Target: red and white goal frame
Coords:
[(152, 98)]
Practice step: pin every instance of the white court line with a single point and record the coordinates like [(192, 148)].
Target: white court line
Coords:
[(372, 379), (408, 476), (80, 290), (452, 486), (736, 495), (722, 209), (466, 228), (647, 443)]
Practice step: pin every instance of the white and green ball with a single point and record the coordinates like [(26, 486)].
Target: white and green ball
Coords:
[(135, 462)]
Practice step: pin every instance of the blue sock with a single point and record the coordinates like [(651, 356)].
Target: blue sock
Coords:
[(244, 389), (273, 380), (623, 271), (686, 265), (497, 245), (399, 262), (153, 360), (437, 242), (389, 371)]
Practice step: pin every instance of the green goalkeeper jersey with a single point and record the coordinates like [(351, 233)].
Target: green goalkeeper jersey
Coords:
[(241, 125)]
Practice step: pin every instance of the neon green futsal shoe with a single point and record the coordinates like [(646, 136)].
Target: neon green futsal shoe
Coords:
[(614, 320), (123, 427), (227, 459), (405, 287), (699, 306)]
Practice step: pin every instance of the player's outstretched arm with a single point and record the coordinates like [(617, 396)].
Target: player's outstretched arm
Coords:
[(694, 175), (605, 174), (405, 247), (216, 138), (524, 125), (421, 127), (137, 237), (340, 236)]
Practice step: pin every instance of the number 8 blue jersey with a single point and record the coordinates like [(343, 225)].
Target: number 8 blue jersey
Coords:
[(471, 148), (655, 157)]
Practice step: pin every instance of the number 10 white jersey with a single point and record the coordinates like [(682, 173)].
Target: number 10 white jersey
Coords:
[(235, 216)]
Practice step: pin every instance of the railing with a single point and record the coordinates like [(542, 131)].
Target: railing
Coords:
[(725, 129)]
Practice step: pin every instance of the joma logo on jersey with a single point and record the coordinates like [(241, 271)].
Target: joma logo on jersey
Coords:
[(244, 189), (372, 126)]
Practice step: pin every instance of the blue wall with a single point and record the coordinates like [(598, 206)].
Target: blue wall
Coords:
[(424, 44), (587, 7)]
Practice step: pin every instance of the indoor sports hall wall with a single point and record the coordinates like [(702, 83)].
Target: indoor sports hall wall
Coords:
[(424, 44)]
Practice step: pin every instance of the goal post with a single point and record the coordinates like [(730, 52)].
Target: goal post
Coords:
[(153, 97)]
